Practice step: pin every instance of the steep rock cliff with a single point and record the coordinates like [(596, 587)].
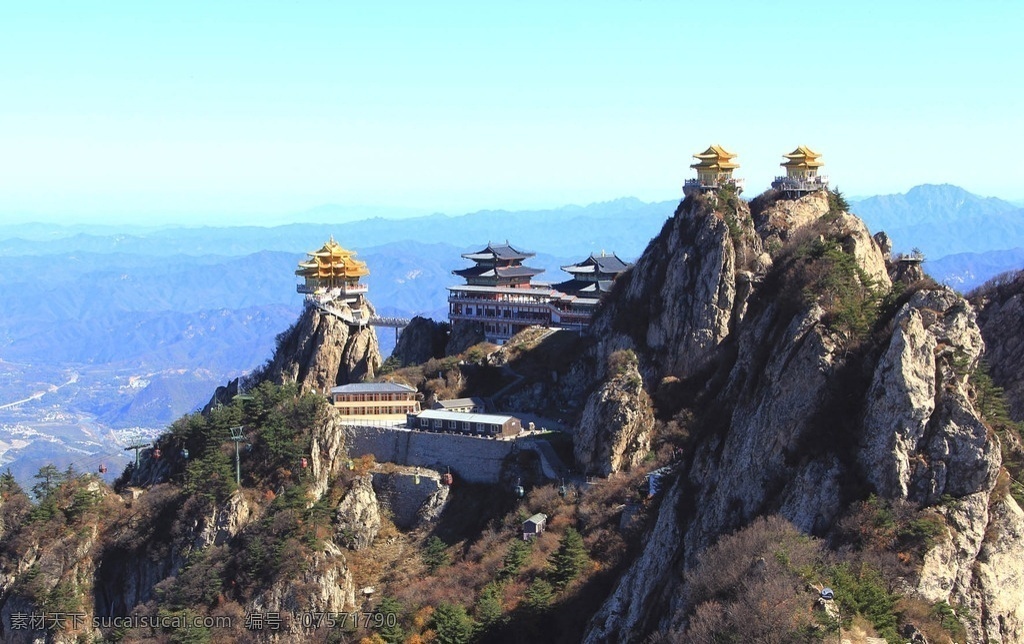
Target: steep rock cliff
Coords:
[(357, 518), (324, 585), (614, 432), (807, 410), (321, 351), (420, 341), (678, 303), (1001, 309)]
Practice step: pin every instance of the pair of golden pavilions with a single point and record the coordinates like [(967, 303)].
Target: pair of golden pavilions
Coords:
[(715, 167)]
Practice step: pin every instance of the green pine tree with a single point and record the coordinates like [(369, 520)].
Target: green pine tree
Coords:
[(435, 554), (387, 608), (538, 595), (8, 484), (568, 561), (488, 607), (514, 559), (50, 478), (452, 624)]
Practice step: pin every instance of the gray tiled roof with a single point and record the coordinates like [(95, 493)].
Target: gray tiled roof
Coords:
[(500, 251), (373, 388)]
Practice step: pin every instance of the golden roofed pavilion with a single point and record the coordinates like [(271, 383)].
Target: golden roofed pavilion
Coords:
[(332, 270), (802, 163), (801, 173), (714, 169)]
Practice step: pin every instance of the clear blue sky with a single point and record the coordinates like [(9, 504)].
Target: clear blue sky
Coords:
[(254, 111)]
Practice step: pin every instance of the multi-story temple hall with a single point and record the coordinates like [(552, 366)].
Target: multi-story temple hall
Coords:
[(801, 173), (574, 301), (714, 170), (499, 292), (331, 283)]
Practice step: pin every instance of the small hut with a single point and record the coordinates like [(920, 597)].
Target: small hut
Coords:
[(534, 526)]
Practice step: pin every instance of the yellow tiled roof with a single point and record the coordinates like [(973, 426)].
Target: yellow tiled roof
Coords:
[(331, 260), (715, 158), (802, 157)]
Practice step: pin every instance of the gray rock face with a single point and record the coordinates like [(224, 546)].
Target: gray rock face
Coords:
[(997, 584), (422, 340), (784, 217), (413, 496), (678, 301), (321, 351), (1001, 311), (799, 418), (357, 518), (325, 585), (614, 432), (224, 522), (464, 334)]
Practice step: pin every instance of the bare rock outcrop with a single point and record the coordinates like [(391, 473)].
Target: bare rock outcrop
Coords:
[(614, 432), (464, 334), (1001, 309), (420, 341), (857, 241), (323, 585), (679, 302), (997, 584), (357, 518), (920, 430), (776, 222), (327, 451), (224, 522), (413, 496), (321, 351)]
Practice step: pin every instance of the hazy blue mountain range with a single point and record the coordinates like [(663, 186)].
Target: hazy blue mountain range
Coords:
[(942, 220), (965, 271), (624, 225)]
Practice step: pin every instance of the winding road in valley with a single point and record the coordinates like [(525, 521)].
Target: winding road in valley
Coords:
[(39, 394)]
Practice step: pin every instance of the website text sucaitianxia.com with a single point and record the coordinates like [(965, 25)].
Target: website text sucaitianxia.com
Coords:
[(252, 621)]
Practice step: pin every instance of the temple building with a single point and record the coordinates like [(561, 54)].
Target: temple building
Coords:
[(714, 170), (376, 399), (499, 294), (575, 300), (801, 173), (331, 282)]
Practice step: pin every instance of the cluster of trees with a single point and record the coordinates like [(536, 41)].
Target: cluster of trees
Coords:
[(490, 614), (990, 402), (762, 583), (67, 506)]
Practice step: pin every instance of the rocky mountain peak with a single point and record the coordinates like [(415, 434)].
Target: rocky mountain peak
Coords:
[(321, 351), (813, 383)]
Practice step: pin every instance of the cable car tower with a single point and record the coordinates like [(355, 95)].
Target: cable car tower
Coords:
[(238, 435), (137, 447)]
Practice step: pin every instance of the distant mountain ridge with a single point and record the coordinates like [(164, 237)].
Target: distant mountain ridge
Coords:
[(966, 271), (944, 219), (624, 225), (930, 203)]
